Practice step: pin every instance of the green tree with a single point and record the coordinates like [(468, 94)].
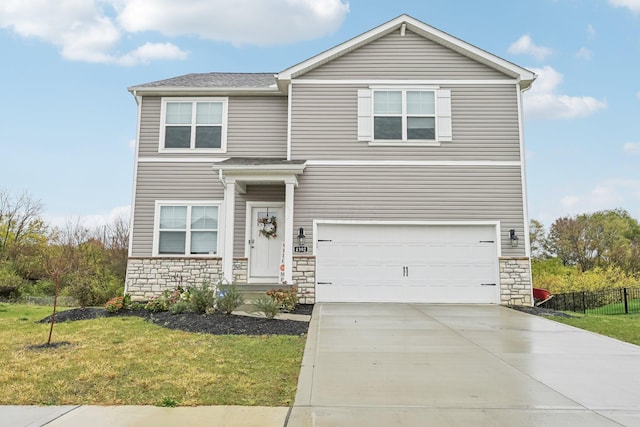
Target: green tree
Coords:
[(538, 239), (600, 239)]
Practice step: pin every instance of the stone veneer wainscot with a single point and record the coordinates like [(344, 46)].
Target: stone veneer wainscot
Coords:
[(515, 281), (148, 277)]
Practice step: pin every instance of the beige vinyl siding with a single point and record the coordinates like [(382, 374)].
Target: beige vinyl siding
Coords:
[(257, 127), (149, 126), (409, 57), (169, 181), (484, 121), (434, 193), (255, 193)]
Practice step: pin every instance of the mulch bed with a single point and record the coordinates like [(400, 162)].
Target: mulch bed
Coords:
[(217, 323), (541, 311)]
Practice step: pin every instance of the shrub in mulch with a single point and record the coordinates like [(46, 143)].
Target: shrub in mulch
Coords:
[(216, 323)]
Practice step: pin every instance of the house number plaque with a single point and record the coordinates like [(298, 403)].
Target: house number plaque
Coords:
[(300, 249)]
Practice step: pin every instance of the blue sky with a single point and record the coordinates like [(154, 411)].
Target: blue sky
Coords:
[(67, 122)]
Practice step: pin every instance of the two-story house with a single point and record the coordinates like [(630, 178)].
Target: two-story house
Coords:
[(388, 168)]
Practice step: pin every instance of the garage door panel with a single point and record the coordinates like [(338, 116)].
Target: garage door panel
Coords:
[(406, 263)]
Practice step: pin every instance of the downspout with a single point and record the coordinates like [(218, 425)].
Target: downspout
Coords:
[(523, 171)]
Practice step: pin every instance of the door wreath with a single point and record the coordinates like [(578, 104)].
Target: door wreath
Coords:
[(268, 226)]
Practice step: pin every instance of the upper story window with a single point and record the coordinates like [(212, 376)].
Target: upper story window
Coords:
[(404, 116), (184, 228), (194, 123)]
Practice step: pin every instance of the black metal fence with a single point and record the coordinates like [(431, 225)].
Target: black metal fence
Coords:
[(610, 301)]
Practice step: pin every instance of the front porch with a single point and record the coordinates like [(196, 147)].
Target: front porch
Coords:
[(269, 254)]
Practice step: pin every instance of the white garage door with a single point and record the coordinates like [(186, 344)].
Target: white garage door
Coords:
[(407, 263)]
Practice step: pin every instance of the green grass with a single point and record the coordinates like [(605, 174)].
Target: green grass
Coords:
[(633, 306), (128, 361), (623, 327)]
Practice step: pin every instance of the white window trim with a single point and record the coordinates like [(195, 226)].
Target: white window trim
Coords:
[(404, 115), (223, 137), (442, 115), (189, 204)]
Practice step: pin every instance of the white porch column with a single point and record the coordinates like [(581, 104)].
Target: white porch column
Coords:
[(229, 217), (288, 231)]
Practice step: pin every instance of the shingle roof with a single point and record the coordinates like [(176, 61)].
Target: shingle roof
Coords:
[(216, 80)]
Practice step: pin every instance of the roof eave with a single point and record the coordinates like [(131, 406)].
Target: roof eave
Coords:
[(247, 171), (199, 91)]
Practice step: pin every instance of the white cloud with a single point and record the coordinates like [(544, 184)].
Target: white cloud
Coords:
[(97, 220), (608, 194), (633, 5), (631, 147), (89, 221), (256, 22), (132, 144), (584, 53), (591, 31), (81, 30), (544, 102), (524, 45), (92, 30), (152, 51)]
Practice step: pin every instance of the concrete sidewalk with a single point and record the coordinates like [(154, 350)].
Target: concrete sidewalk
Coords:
[(141, 416), (446, 365)]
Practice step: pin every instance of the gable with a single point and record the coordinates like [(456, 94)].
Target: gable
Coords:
[(403, 57)]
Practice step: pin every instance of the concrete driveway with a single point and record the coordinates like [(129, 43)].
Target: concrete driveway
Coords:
[(460, 365)]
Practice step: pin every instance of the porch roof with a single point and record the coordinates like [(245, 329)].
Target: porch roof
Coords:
[(257, 170)]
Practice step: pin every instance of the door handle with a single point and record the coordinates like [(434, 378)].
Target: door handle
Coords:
[(405, 271)]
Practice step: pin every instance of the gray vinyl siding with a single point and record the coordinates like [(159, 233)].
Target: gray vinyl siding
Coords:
[(409, 57), (149, 127), (255, 193), (257, 126), (484, 122), (169, 181), (433, 193)]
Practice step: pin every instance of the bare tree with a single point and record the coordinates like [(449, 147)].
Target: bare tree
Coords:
[(61, 259), (19, 216)]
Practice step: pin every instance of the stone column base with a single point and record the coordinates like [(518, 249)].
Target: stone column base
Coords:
[(515, 281)]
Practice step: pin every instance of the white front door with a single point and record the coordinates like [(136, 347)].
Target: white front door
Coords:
[(265, 242)]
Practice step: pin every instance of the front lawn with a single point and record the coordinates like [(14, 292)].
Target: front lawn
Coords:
[(623, 327), (129, 361)]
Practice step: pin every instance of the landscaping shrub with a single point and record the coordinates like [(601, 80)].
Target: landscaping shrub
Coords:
[(287, 300), (179, 307), (167, 299), (40, 288), (92, 291), (10, 283), (229, 298), (114, 305), (202, 298), (267, 306)]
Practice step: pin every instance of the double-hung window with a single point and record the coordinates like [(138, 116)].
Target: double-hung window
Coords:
[(186, 228), (404, 115), (194, 123)]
